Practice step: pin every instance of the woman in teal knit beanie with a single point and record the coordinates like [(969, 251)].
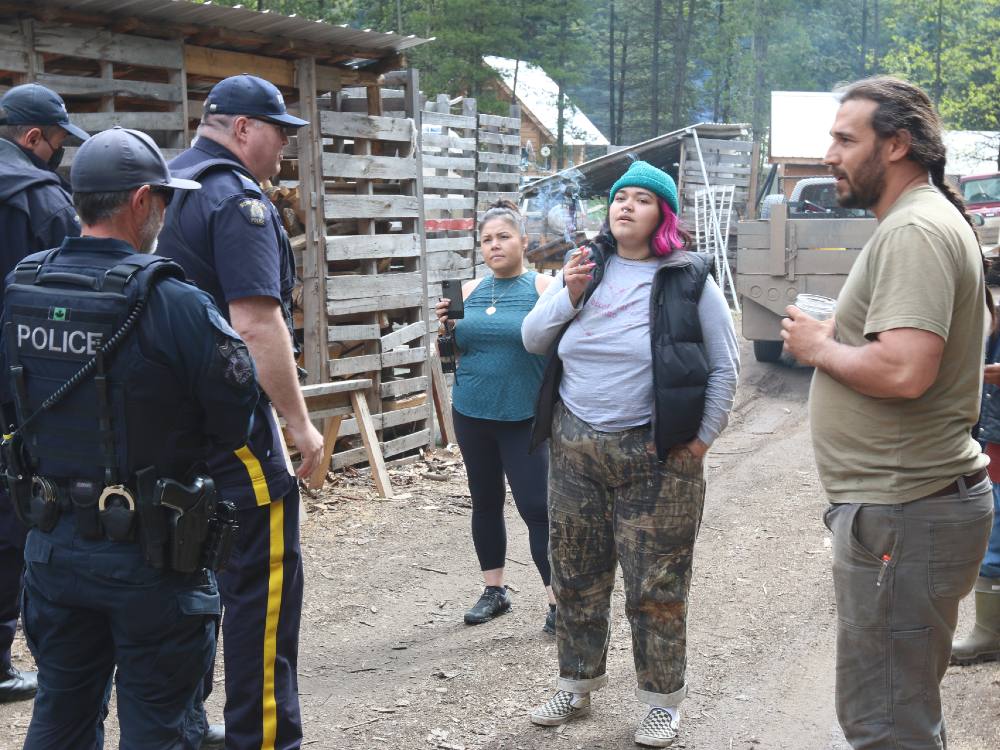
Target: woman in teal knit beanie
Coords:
[(640, 380)]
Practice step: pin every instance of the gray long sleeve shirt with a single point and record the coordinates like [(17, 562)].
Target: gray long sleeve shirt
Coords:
[(607, 360)]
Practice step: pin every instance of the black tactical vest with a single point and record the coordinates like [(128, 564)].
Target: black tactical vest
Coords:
[(60, 309)]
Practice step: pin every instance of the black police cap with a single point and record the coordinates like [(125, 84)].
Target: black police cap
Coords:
[(251, 96), (120, 159), (33, 104)]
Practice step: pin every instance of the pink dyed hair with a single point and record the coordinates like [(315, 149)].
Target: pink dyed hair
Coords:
[(668, 236)]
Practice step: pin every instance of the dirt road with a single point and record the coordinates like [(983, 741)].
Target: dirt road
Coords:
[(386, 662)]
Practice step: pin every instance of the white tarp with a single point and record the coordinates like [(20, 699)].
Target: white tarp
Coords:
[(539, 94)]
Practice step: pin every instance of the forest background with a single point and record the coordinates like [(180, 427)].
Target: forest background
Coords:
[(639, 68)]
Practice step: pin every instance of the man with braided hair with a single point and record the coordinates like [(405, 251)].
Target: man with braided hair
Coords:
[(893, 401)]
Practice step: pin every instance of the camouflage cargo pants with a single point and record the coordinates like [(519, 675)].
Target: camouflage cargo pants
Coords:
[(610, 500)]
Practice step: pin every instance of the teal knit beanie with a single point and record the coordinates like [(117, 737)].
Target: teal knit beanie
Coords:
[(645, 175)]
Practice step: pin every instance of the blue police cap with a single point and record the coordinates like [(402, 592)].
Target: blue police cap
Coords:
[(120, 159), (251, 96), (32, 104)]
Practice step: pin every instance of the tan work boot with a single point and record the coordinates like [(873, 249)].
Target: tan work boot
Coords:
[(983, 643)]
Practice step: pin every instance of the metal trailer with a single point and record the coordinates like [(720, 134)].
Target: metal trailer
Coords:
[(779, 257)]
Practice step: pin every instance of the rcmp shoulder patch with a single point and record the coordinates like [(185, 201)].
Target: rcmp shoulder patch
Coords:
[(254, 211)]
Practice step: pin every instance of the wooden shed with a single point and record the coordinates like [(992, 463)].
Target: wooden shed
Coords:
[(350, 185)]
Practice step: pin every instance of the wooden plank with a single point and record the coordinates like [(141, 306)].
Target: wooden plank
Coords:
[(457, 163), (396, 388), (369, 167), (94, 122), (353, 365), (498, 177), (452, 244), (371, 207), (331, 426), (450, 225), (407, 442), (499, 139), (353, 333), (714, 144), (404, 335), (437, 203), (496, 121), (447, 182), (486, 197), (370, 247), (442, 399), (358, 286), (372, 449), (400, 357), (79, 85), (319, 390), (429, 117), (218, 64), (403, 416), (96, 44), (512, 160), (347, 458), (461, 272), (373, 304), (369, 127), (431, 140)]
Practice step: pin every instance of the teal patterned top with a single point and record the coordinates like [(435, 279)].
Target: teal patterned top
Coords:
[(496, 378)]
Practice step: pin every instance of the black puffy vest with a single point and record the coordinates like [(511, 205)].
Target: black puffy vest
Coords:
[(680, 364), (58, 311)]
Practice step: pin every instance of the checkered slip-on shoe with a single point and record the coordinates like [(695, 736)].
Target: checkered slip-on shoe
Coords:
[(658, 729), (560, 708)]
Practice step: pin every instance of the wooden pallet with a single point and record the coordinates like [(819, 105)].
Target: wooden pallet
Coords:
[(498, 159), (376, 280), (448, 148)]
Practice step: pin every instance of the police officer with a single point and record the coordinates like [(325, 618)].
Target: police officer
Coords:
[(36, 212), (124, 378), (230, 241)]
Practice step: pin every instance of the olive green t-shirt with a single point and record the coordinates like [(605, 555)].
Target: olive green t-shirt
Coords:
[(921, 269)]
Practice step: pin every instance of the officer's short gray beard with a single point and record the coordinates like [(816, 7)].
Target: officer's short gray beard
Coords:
[(150, 232)]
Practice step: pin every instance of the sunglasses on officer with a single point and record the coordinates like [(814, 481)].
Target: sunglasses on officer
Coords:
[(286, 130)]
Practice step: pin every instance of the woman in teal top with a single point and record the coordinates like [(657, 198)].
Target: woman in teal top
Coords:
[(493, 403)]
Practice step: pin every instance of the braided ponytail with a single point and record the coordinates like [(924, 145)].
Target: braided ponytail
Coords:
[(938, 178)]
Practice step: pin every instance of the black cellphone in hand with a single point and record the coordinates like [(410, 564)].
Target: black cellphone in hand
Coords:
[(451, 290)]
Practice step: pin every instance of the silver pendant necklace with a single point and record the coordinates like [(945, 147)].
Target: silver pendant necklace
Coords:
[(493, 297)]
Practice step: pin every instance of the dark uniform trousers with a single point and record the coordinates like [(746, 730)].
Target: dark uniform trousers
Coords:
[(12, 535), (261, 591), (89, 605)]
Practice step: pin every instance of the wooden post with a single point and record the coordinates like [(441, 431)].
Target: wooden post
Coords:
[(311, 193), (331, 427), (442, 399), (412, 107), (370, 440)]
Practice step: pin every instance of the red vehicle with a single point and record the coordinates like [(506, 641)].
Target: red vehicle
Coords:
[(982, 200)]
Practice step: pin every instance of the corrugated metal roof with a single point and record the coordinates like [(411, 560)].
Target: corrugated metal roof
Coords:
[(595, 177), (239, 19)]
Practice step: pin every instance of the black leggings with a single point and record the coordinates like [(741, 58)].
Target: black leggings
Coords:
[(492, 449)]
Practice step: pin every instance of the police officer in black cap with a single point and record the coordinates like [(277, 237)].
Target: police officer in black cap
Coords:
[(123, 379), (36, 212), (231, 242)]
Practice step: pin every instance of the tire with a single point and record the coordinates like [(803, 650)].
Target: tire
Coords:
[(767, 351)]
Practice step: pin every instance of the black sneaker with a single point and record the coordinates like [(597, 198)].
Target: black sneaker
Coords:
[(494, 601), (550, 620)]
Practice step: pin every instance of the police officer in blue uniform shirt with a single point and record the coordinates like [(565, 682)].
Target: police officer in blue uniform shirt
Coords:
[(231, 242), (36, 213), (123, 379)]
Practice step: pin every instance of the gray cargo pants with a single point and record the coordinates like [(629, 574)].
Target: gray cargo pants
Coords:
[(899, 572), (610, 500)]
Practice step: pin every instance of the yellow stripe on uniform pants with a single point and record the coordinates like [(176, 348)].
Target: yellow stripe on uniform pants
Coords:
[(260, 491), (275, 581)]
